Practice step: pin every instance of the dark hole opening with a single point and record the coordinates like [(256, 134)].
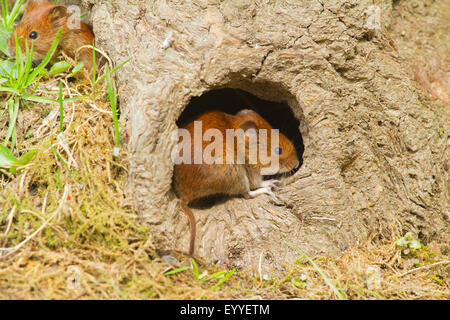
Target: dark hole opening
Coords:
[(278, 114)]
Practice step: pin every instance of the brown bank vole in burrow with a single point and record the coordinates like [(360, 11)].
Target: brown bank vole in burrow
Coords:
[(195, 181), (40, 25)]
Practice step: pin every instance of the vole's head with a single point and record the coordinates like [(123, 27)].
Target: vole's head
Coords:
[(287, 155), (278, 156), (39, 26)]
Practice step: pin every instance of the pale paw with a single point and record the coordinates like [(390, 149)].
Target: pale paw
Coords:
[(263, 190), (272, 184)]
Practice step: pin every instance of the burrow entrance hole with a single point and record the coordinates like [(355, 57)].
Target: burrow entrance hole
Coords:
[(231, 101)]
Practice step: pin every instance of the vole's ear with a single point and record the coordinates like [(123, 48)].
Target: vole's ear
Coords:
[(57, 14), (245, 112), (250, 128), (32, 4)]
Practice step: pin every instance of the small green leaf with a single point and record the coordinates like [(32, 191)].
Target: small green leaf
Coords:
[(26, 158), (44, 73), (4, 36), (409, 236), (6, 89), (415, 244), (77, 68), (59, 67), (298, 284), (401, 242), (204, 274), (6, 67), (8, 161)]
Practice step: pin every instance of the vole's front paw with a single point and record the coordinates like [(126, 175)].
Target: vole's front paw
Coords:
[(271, 184), (266, 188), (257, 192)]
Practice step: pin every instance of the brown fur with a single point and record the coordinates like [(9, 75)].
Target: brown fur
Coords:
[(46, 19), (194, 181)]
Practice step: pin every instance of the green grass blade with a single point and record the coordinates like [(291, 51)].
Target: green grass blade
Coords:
[(114, 70), (13, 109), (61, 107), (34, 98), (217, 275), (195, 269), (4, 6), (112, 100), (224, 279), (60, 158), (10, 90), (19, 64), (4, 36), (27, 67), (178, 270), (73, 99), (94, 66), (337, 292), (14, 14)]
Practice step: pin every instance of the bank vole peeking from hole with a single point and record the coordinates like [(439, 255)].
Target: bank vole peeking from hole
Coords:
[(194, 181)]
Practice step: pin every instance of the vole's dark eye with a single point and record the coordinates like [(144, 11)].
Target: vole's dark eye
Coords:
[(33, 35), (278, 150)]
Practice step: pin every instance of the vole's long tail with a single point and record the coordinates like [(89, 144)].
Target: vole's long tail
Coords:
[(191, 218)]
